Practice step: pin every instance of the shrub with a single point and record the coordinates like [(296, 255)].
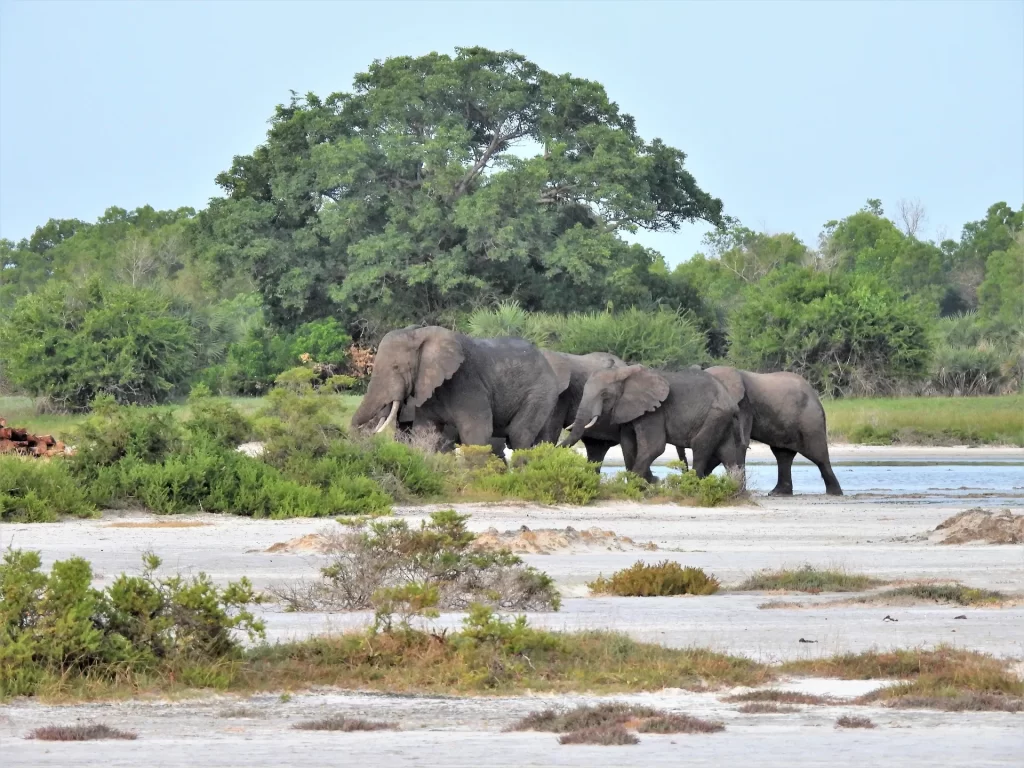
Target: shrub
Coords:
[(387, 565), (36, 491), (345, 724), (854, 721), (325, 341), (665, 578), (709, 491), (658, 339), (809, 579), (79, 733), (218, 422), (606, 736), (547, 473), (58, 626), (69, 343)]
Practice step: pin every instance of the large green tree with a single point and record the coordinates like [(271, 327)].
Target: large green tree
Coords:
[(441, 181)]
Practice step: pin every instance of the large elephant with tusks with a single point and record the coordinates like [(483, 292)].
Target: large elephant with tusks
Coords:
[(480, 388)]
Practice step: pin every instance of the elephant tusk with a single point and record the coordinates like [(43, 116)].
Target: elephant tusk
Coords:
[(390, 421), (592, 422)]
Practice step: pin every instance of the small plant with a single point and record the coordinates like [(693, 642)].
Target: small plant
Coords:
[(766, 708), (392, 568), (547, 474), (775, 696), (660, 580), (673, 723), (285, 697), (708, 491), (345, 724), (808, 579), (79, 733), (854, 721), (40, 491), (957, 594), (605, 736)]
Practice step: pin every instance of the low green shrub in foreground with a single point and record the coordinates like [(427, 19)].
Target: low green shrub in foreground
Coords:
[(682, 487), (661, 580), (547, 473), (57, 626), (37, 491)]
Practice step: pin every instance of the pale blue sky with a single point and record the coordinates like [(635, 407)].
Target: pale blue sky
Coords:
[(792, 113)]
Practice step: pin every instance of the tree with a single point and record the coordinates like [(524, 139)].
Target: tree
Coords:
[(979, 240), (911, 215), (844, 333), (440, 180), (71, 342), (1001, 295)]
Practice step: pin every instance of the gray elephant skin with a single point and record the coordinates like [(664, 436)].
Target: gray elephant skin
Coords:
[(651, 409), (478, 387), (783, 411)]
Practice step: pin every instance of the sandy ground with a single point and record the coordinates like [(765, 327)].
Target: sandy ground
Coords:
[(877, 536)]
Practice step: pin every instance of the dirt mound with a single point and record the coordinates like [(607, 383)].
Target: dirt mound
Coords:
[(545, 541), (990, 526), (314, 543)]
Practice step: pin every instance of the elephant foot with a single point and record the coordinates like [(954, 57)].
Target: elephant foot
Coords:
[(779, 491), (836, 491)]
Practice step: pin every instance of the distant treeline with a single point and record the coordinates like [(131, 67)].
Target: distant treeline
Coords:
[(478, 191)]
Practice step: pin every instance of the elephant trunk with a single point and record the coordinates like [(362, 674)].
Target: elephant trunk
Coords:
[(579, 426)]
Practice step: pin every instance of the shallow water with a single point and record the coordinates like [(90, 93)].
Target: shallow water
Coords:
[(982, 483)]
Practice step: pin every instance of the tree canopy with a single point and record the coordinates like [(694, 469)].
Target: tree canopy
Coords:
[(443, 179)]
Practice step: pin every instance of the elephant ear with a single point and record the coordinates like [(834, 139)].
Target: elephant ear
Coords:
[(563, 372), (643, 390), (440, 355)]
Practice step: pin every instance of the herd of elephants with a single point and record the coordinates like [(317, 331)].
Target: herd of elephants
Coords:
[(506, 391)]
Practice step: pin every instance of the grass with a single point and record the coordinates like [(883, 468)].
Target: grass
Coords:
[(854, 721), (955, 594), (345, 724), (592, 724), (767, 708), (79, 733), (927, 420), (808, 579), (607, 736), (775, 696)]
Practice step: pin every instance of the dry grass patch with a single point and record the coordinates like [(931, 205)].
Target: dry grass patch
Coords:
[(605, 736), (241, 712), (767, 708), (903, 697), (775, 696), (808, 579), (79, 733), (614, 714), (159, 524), (346, 724), (948, 594), (854, 721)]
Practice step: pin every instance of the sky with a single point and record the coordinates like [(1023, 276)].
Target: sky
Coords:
[(792, 113)]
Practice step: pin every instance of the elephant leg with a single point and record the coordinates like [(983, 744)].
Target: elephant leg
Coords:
[(681, 452), (784, 458), (597, 450), (526, 427), (819, 456), (650, 444), (498, 448)]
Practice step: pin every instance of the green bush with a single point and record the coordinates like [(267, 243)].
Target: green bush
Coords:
[(58, 628), (325, 341), (708, 491), (845, 334), (547, 473), (661, 580), (217, 422), (659, 339), (70, 343), (38, 491)]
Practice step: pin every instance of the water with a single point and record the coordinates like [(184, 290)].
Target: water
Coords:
[(981, 483)]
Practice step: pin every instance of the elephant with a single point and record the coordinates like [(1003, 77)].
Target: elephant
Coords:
[(654, 408), (480, 388), (783, 411)]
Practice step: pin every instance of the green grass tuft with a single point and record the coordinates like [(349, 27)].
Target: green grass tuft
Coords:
[(808, 579)]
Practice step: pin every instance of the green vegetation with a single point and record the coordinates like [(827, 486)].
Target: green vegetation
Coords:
[(660, 580), (33, 491), (57, 627), (388, 566), (955, 594), (776, 696), (933, 420), (809, 579), (604, 736)]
